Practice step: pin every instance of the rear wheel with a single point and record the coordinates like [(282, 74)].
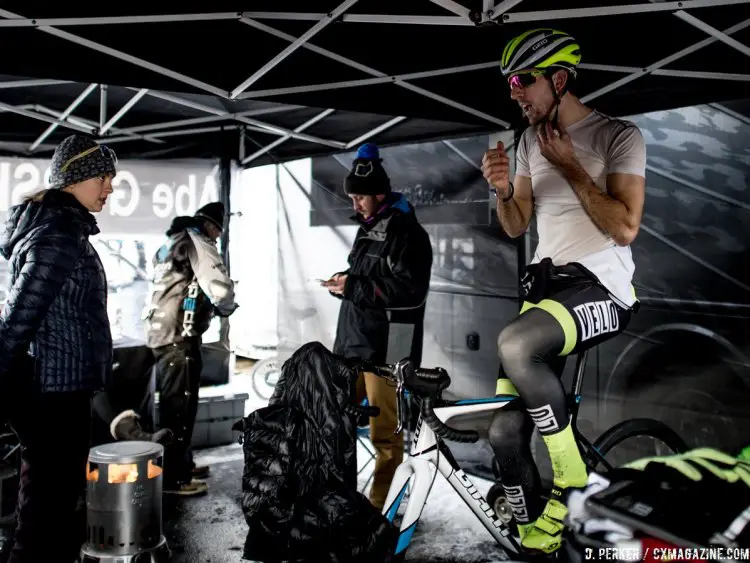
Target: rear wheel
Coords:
[(633, 439), (265, 375)]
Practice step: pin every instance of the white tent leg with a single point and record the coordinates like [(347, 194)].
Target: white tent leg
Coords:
[(730, 112), (663, 62), (70, 109), (242, 150), (181, 132), (503, 7), (115, 20), (362, 18), (102, 105), (454, 7), (366, 81), (296, 44), (713, 32), (94, 125), (123, 56), (675, 73), (32, 83), (462, 155), (38, 116), (123, 110), (379, 129), (372, 72), (266, 127), (571, 13), (208, 119), (309, 123)]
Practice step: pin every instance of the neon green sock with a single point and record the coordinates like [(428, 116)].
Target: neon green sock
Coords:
[(567, 465)]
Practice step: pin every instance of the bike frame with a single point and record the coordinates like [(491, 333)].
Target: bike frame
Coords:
[(429, 455)]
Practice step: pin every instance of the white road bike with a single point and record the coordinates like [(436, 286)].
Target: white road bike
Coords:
[(430, 455)]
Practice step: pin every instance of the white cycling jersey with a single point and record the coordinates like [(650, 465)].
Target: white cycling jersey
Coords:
[(603, 145)]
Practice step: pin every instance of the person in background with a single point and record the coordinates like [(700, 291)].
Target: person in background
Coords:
[(191, 284), (383, 296), (125, 425), (55, 344)]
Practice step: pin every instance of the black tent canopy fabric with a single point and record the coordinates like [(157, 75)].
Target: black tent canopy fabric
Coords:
[(268, 81)]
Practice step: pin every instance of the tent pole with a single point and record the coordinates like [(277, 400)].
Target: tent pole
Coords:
[(225, 188), (523, 243)]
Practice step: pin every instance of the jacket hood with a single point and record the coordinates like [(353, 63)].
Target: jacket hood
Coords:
[(56, 206), (185, 222), (394, 202)]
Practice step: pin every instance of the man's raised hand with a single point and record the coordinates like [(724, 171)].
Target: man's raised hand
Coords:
[(496, 169)]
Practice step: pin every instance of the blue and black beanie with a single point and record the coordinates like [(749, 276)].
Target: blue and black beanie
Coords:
[(79, 158), (367, 176)]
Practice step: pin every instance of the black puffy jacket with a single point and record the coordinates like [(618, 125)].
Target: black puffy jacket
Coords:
[(299, 490), (382, 311), (56, 309)]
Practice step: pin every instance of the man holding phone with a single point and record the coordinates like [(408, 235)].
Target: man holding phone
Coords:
[(582, 174), (383, 296)]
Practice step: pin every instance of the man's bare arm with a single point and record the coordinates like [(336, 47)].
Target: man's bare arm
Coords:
[(618, 212), (515, 215)]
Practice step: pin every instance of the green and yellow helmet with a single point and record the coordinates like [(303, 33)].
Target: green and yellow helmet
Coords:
[(540, 49)]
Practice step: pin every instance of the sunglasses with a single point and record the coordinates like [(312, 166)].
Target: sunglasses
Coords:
[(107, 153), (524, 79)]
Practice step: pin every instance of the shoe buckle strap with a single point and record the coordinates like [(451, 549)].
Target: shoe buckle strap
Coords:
[(549, 527), (555, 511)]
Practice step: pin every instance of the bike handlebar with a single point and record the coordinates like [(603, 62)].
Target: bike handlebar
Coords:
[(427, 384)]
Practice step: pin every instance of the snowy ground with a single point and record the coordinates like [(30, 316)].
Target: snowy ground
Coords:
[(211, 529)]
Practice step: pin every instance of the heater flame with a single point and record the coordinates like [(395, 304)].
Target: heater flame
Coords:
[(122, 473)]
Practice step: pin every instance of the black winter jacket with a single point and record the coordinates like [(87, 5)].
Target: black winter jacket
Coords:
[(382, 311), (299, 485), (56, 309)]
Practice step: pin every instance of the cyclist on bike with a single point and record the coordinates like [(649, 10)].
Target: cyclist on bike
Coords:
[(582, 174)]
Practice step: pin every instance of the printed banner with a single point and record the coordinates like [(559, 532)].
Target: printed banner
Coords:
[(147, 194)]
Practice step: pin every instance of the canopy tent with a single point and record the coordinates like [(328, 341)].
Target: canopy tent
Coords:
[(293, 79)]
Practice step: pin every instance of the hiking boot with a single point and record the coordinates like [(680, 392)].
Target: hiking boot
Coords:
[(194, 488), (125, 426), (201, 471)]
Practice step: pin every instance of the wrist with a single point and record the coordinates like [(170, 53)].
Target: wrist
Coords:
[(508, 194)]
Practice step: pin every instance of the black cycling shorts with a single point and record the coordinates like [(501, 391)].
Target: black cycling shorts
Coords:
[(586, 311)]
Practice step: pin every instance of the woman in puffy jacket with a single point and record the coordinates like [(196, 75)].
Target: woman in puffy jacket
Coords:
[(55, 343)]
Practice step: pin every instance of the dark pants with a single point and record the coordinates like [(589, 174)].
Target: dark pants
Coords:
[(53, 475), (178, 369)]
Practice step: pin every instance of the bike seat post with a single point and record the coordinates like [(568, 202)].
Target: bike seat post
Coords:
[(580, 370)]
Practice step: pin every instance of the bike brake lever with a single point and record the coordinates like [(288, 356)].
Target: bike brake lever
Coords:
[(399, 405)]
